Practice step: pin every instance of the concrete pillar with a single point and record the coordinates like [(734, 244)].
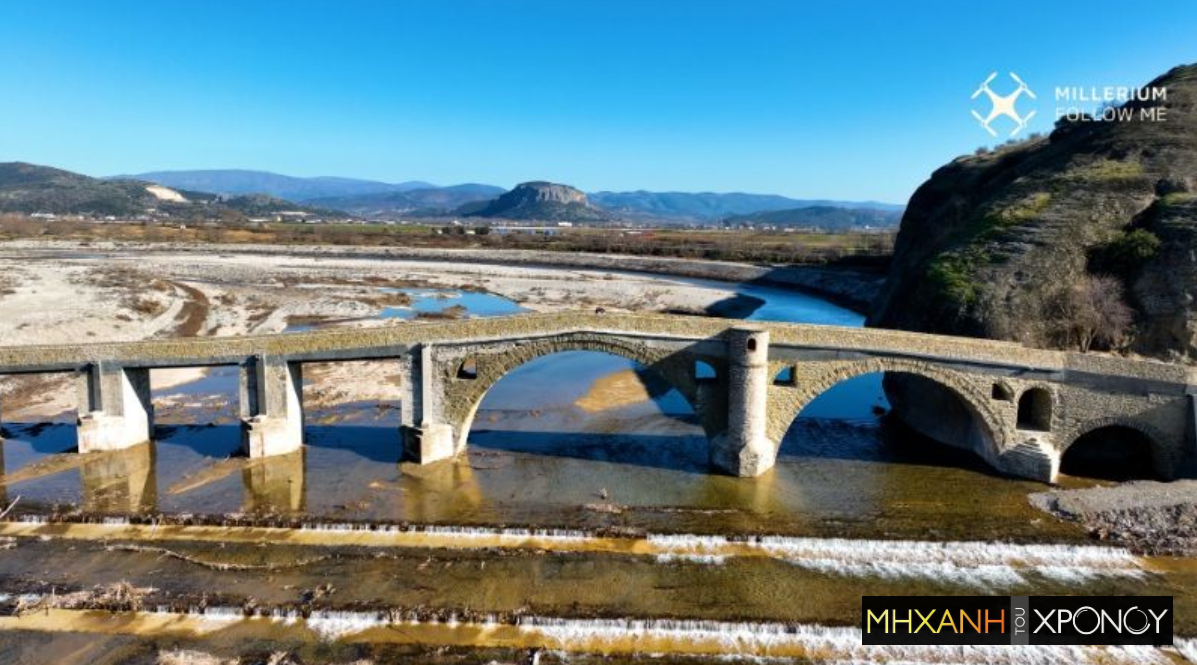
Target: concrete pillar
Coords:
[(745, 450), (114, 409), (426, 437), (271, 406)]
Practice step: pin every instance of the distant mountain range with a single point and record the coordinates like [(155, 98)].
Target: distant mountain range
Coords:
[(821, 217), (371, 198), (234, 194), (239, 181), (704, 206), (427, 201), (29, 188)]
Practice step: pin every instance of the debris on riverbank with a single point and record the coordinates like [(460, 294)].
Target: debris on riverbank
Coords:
[(1149, 517)]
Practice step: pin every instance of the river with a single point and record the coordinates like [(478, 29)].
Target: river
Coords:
[(574, 505)]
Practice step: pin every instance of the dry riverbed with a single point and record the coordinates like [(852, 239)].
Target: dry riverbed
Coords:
[(67, 293)]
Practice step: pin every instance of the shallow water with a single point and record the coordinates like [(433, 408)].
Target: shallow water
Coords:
[(599, 513)]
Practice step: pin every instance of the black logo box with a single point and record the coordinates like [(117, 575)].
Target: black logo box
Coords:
[(1045, 620)]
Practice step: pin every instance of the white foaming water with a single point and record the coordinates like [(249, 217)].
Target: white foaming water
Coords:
[(457, 532), (709, 559), (1187, 647), (756, 642), (969, 563), (834, 644), (977, 564)]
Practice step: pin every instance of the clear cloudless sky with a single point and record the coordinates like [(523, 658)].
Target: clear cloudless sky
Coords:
[(844, 99)]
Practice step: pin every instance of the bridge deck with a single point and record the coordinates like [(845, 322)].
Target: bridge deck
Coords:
[(393, 339)]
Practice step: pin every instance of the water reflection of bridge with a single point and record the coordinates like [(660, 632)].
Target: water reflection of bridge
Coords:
[(1017, 408)]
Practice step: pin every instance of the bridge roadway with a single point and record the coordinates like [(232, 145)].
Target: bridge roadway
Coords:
[(1017, 408)]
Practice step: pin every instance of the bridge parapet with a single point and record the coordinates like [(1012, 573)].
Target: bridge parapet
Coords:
[(744, 411)]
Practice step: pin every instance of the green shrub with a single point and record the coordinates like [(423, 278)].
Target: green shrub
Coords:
[(1178, 198), (1111, 169), (1126, 252), (951, 280)]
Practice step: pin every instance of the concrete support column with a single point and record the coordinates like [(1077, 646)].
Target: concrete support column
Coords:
[(271, 406), (745, 449), (114, 409), (426, 437)]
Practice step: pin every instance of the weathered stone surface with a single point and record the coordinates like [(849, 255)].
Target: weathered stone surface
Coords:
[(448, 366), (993, 244), (746, 449)]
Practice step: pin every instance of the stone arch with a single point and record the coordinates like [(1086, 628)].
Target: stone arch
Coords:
[(462, 398), (1161, 452), (1036, 409), (814, 378)]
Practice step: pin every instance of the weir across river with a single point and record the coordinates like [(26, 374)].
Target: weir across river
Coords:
[(1017, 408)]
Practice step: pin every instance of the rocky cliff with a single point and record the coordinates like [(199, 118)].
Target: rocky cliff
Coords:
[(1085, 238), (541, 201)]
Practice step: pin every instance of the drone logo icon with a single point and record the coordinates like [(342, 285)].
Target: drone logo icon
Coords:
[(1003, 105)]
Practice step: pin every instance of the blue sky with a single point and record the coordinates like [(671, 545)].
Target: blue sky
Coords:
[(847, 100)]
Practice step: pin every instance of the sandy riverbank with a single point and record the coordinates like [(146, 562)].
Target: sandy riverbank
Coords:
[(66, 292)]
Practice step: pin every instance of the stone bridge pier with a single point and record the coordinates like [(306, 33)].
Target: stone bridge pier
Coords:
[(443, 386), (426, 436), (114, 407), (271, 396), (745, 448)]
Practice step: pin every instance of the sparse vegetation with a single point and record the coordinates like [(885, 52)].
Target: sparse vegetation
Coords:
[(1110, 169), (744, 245), (1025, 210), (1089, 315), (1125, 253), (1177, 198), (951, 279)]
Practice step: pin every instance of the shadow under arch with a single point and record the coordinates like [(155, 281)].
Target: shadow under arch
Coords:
[(924, 400), (1115, 449), (612, 428)]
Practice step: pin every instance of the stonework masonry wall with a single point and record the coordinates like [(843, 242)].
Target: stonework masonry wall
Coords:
[(450, 365)]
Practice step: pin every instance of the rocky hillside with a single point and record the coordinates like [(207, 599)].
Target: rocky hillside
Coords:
[(540, 201), (29, 188), (236, 182), (1086, 238)]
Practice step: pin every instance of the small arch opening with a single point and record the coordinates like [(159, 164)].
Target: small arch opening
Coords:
[(1114, 452), (785, 377), (1002, 392), (468, 369), (751, 345), (704, 371), (1035, 410)]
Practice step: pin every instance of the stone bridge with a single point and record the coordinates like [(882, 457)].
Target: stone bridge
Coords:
[(1017, 408)]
